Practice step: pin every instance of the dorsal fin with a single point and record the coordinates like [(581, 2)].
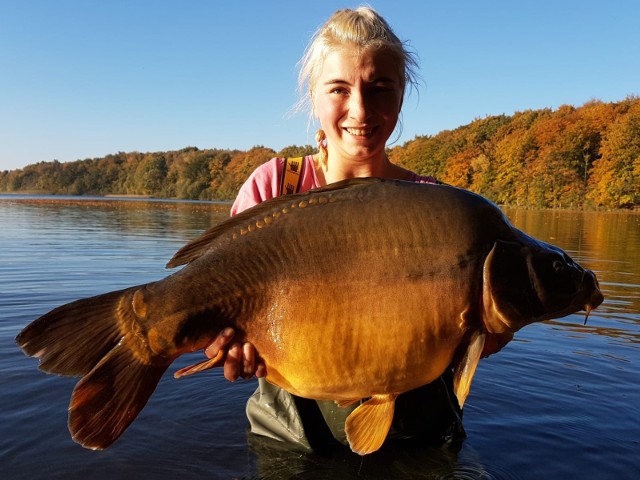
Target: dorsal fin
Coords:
[(200, 245)]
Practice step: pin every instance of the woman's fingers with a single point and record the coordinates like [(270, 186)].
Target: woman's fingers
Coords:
[(233, 363), (220, 342), (241, 360), (248, 361)]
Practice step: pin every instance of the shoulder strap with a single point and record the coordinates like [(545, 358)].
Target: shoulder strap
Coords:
[(291, 175)]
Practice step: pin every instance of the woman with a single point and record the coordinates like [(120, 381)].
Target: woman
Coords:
[(354, 73)]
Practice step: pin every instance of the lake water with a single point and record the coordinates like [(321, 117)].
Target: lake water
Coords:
[(560, 401)]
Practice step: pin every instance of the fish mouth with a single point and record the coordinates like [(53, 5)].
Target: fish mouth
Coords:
[(585, 296), (590, 283), (596, 299)]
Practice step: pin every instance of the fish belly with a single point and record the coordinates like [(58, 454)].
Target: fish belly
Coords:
[(343, 342)]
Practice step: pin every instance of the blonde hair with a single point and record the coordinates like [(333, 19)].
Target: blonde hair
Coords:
[(364, 29)]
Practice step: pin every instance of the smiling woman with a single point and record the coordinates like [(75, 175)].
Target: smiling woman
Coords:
[(357, 99), (354, 74)]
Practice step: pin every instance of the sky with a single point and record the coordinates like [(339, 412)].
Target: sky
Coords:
[(87, 78)]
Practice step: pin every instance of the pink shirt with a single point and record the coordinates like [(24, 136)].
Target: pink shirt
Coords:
[(264, 183)]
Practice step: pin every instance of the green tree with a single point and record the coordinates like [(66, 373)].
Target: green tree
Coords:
[(151, 174), (293, 151), (195, 178)]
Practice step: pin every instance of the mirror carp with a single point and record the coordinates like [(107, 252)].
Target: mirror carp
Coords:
[(363, 289)]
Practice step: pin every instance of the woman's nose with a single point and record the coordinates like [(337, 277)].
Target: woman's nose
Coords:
[(358, 106)]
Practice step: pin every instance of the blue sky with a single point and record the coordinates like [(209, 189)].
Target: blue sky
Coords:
[(85, 78)]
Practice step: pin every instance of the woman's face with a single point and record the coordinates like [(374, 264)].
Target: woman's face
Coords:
[(357, 98)]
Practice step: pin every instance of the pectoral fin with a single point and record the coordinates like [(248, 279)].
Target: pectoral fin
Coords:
[(368, 425), (495, 342), (466, 367), (199, 367)]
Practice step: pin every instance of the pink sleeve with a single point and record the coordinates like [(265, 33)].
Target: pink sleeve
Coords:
[(262, 184)]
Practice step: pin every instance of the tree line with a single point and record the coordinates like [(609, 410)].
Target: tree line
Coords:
[(587, 156)]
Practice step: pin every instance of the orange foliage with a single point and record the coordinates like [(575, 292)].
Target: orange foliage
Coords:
[(570, 157)]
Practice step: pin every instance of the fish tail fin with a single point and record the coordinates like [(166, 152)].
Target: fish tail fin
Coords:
[(72, 339), (368, 425), (93, 338), (110, 397)]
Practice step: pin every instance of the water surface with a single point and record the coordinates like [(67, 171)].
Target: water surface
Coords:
[(561, 401)]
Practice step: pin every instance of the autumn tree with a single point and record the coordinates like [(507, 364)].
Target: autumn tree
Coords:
[(547, 158), (219, 175), (616, 175), (243, 163)]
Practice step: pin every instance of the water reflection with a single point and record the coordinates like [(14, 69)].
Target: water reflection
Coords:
[(400, 459)]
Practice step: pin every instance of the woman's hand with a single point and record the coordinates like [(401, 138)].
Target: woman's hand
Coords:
[(241, 360)]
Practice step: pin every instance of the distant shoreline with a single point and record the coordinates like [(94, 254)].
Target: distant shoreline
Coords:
[(132, 201), (117, 201)]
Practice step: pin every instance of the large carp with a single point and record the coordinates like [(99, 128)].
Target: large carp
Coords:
[(363, 289)]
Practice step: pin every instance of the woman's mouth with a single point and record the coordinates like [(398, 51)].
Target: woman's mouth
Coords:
[(359, 132)]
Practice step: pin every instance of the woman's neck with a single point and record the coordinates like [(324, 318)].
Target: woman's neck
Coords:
[(338, 169)]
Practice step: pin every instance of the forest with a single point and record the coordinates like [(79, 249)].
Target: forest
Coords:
[(570, 157)]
